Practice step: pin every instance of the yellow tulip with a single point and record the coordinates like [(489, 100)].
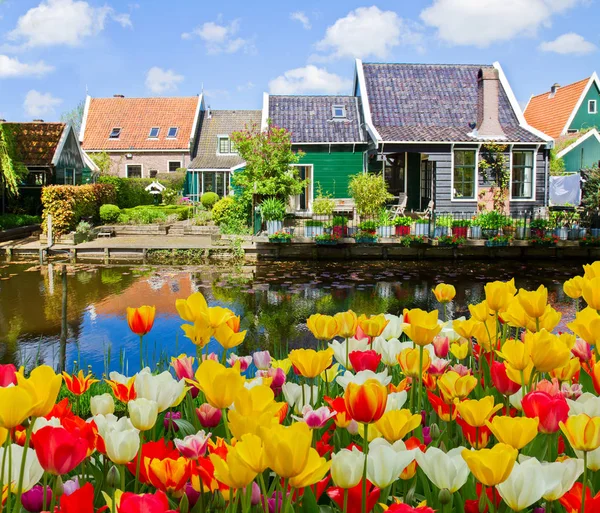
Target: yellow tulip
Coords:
[(315, 470), (395, 424), (582, 431), (232, 471), (516, 354), (251, 451), (460, 351), (323, 327), (547, 351), (567, 372), (253, 408), (475, 412), (219, 384), (568, 339), (534, 302), (423, 326), (228, 334), (199, 333), (481, 311), (514, 431), (3, 435), (465, 328), (587, 326), (192, 309), (485, 333), (444, 293), (521, 376), (515, 315), (491, 466), (328, 375), (311, 363), (591, 270), (591, 292), (43, 385), (16, 405), (287, 448), (285, 365), (373, 326), (347, 323), (409, 362), (499, 294), (547, 322), (454, 386), (574, 287)]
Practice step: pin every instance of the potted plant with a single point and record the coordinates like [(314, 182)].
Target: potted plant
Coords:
[(538, 227), (280, 237), (340, 226), (402, 225), (422, 227), (412, 240), (272, 210), (442, 225), (313, 228), (498, 241), (385, 224), (475, 231), (521, 228), (322, 206), (327, 239), (368, 227), (545, 241), (460, 227), (508, 226), (365, 237), (491, 223), (449, 241), (590, 242)]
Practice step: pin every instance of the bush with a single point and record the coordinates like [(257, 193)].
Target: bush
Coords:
[(223, 210), (8, 221), (159, 214), (109, 213), (208, 199), (131, 192), (370, 193)]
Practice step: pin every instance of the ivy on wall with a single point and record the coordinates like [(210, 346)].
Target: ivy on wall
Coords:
[(494, 168), (11, 170)]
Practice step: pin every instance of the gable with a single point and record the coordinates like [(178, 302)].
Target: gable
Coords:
[(582, 118), (35, 144), (69, 153)]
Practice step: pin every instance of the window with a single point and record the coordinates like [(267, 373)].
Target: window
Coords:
[(465, 174), (522, 175), (69, 176), (174, 165), (172, 133), (134, 171), (154, 132), (211, 181), (339, 111), (592, 107), (115, 133), (225, 145)]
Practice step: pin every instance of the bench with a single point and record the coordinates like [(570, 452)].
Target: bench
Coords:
[(107, 231)]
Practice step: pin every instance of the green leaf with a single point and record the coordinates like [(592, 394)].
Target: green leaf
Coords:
[(309, 503), (185, 427)]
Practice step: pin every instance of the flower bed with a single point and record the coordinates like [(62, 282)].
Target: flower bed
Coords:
[(280, 238)]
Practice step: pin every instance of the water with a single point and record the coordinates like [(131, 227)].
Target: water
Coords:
[(273, 299)]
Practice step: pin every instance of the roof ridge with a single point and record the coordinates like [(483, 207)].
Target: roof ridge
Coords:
[(312, 96), (145, 97), (564, 87), (424, 64)]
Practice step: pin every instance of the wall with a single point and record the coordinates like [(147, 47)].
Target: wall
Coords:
[(591, 155), (71, 158), (148, 161), (584, 120)]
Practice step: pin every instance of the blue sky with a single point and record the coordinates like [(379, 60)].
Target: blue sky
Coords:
[(52, 50)]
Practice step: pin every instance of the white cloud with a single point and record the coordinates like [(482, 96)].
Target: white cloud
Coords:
[(13, 67), (220, 37), (160, 80), (63, 22), (368, 31), (569, 44), (245, 87), (309, 79), (40, 104), (302, 18), (483, 22)]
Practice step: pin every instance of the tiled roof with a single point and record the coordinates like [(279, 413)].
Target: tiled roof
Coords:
[(35, 143), (432, 102), (310, 118), (135, 117), (550, 113), (221, 122)]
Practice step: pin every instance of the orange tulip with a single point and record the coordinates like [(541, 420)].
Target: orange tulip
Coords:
[(78, 383), (323, 327), (444, 293), (347, 323), (409, 362), (167, 474), (372, 326), (124, 392), (141, 319), (366, 403)]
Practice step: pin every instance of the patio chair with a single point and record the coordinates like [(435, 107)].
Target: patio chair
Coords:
[(428, 211), (398, 210)]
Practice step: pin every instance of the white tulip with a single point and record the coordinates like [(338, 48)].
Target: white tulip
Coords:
[(106, 422), (299, 396), (42, 422), (593, 459), (102, 404), (339, 349), (143, 413), (585, 403), (165, 390), (390, 349), (122, 441), (347, 467), (120, 378), (560, 477), (516, 398), (448, 330), (525, 485), (394, 327), (361, 377), (396, 400), (33, 470), (385, 462), (445, 470)]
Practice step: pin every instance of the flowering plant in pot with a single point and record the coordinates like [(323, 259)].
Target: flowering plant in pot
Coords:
[(450, 240), (327, 239), (460, 227), (402, 225), (538, 228), (280, 237), (365, 237), (340, 226), (368, 227), (498, 241), (313, 227)]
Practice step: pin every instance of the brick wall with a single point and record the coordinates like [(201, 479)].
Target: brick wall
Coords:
[(158, 161)]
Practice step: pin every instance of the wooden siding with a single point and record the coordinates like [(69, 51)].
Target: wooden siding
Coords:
[(584, 120), (586, 154), (70, 158)]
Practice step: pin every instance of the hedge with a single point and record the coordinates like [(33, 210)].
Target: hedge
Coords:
[(8, 221), (69, 203), (131, 192)]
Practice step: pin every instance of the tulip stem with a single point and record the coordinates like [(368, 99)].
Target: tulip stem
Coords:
[(141, 352), (347, 352), (227, 433), (584, 482), (138, 465), (54, 493), (263, 487), (23, 461), (123, 468), (345, 505), (364, 480), (3, 467), (284, 499), (420, 377)]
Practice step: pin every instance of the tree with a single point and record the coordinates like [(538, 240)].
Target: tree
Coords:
[(102, 160), (12, 171), (74, 117)]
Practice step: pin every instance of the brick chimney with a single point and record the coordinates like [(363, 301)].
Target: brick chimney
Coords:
[(553, 90), (488, 121)]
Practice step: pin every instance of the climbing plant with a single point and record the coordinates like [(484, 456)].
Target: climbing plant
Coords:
[(11, 170), (494, 170)]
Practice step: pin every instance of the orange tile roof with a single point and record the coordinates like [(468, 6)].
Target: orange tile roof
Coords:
[(550, 115), (135, 117)]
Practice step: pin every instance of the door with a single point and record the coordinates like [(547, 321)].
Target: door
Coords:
[(427, 172), (303, 200)]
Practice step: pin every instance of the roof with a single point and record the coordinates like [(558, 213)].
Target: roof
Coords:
[(433, 103), (36, 143), (550, 113), (310, 118), (220, 122), (571, 141), (135, 117)]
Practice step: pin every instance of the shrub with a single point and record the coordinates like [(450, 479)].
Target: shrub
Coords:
[(109, 213), (169, 197), (8, 221), (146, 216), (369, 192), (208, 199), (272, 209), (223, 210), (131, 192)]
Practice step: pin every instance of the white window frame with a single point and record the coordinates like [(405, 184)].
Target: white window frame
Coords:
[(225, 136), (176, 132), (453, 148), (131, 164), (65, 176), (169, 162), (311, 187), (344, 114), (150, 136), (595, 104), (112, 130), (534, 171)]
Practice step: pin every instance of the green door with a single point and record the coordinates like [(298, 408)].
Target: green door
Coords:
[(413, 184)]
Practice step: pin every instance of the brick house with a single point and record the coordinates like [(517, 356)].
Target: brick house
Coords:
[(142, 136)]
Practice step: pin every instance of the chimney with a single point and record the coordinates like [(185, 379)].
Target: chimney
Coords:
[(553, 90), (118, 96), (488, 121), (38, 120), (2, 120), (208, 113)]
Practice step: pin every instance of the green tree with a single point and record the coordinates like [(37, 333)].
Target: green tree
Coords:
[(12, 170), (102, 160), (370, 193), (74, 117)]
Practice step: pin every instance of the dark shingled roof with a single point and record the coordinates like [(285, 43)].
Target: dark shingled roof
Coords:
[(35, 143), (432, 102), (310, 118), (221, 122)]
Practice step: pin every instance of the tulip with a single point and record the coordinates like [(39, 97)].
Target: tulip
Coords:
[(422, 326), (228, 333), (441, 346), (162, 388), (388, 349), (347, 322), (262, 360), (102, 404), (33, 500), (298, 396), (582, 350), (144, 503), (220, 385), (315, 419), (516, 354), (323, 327), (438, 366), (286, 448), (16, 405), (277, 377), (396, 424), (78, 384), (574, 287), (311, 363), (363, 376), (250, 449), (465, 328), (516, 316), (329, 375), (143, 413), (394, 328), (141, 319), (587, 326), (32, 469), (478, 437), (475, 412), (245, 361), (365, 360), (183, 366), (460, 351), (43, 385), (342, 350), (445, 470), (231, 470), (547, 322), (591, 292), (444, 293), (524, 486), (121, 439), (386, 462), (355, 496), (198, 333), (122, 387), (454, 386), (193, 447), (548, 352), (193, 308), (501, 381), (568, 371), (59, 451), (480, 312), (314, 471), (560, 477), (582, 431), (209, 416), (514, 431), (550, 410), (373, 326), (498, 294), (347, 467), (169, 475), (491, 466), (534, 302), (586, 403), (414, 362), (8, 375), (366, 403)]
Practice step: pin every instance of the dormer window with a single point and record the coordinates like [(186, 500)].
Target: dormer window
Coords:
[(225, 146), (339, 111), (115, 133), (172, 133), (154, 132), (592, 107)]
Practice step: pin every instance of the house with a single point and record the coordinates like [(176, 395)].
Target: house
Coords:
[(142, 136), (428, 125), (571, 116), (327, 129), (215, 157)]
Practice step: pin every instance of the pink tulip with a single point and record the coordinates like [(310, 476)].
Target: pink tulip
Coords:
[(441, 346), (245, 361), (183, 367), (582, 350), (278, 378), (193, 447), (461, 370), (262, 360), (550, 387), (571, 391), (8, 375), (209, 416), (315, 419), (438, 366), (211, 356)]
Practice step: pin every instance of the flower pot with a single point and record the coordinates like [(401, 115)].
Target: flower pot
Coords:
[(422, 229), (562, 233), (509, 231), (476, 232), (441, 231), (574, 233), (595, 232), (489, 233), (313, 231), (538, 232), (326, 242), (340, 231), (520, 232), (366, 239), (460, 231), (274, 227), (280, 241), (384, 231), (402, 231)]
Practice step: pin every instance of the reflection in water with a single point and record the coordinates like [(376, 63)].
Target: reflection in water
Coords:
[(273, 300)]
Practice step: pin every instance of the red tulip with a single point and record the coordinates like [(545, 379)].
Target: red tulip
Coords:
[(141, 319), (59, 450), (145, 503), (405, 508), (365, 360), (354, 504), (8, 375), (209, 416), (549, 409), (571, 500), (80, 501), (477, 437), (472, 505), (501, 381), (160, 449)]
